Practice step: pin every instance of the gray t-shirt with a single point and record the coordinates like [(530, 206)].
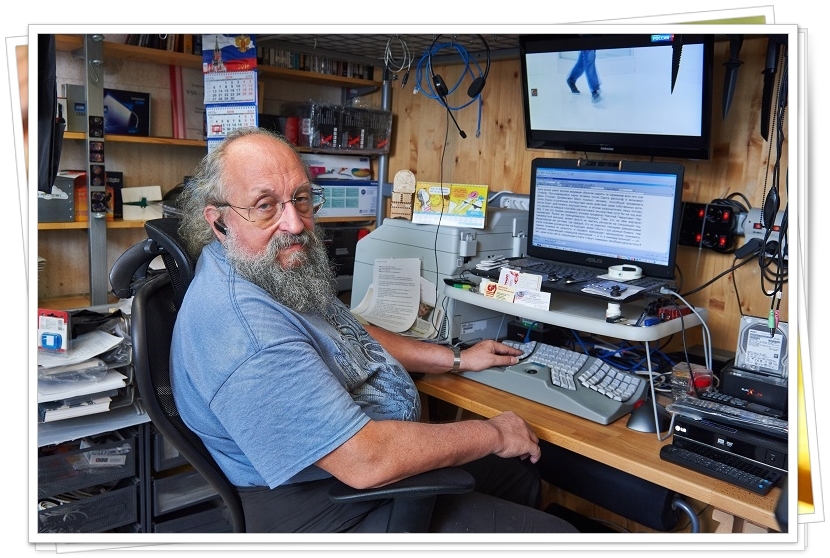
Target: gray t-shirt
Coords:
[(271, 391)]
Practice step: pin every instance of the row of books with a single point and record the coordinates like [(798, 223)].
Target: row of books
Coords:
[(282, 58), (186, 43)]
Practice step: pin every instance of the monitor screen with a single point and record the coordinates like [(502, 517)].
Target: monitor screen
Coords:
[(600, 214), (620, 94)]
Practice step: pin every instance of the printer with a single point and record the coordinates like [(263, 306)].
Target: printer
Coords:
[(445, 252)]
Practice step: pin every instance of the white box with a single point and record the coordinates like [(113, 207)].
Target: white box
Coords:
[(349, 200), (338, 167), (142, 203)]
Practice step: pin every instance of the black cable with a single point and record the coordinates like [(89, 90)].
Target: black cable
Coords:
[(718, 276)]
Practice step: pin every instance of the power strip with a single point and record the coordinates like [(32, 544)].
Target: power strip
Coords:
[(708, 225), (515, 201), (753, 228)]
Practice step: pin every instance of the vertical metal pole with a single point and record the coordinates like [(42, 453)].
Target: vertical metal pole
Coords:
[(96, 182), (384, 189)]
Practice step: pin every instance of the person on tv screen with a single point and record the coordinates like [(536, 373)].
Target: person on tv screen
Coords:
[(585, 64)]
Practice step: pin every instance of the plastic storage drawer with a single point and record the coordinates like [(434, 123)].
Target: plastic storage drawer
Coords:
[(212, 520), (179, 491), (80, 468), (95, 514), (165, 455)]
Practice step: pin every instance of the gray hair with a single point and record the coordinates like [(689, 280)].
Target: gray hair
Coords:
[(209, 188)]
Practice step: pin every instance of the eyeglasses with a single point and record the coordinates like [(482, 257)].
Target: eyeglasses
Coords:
[(307, 200)]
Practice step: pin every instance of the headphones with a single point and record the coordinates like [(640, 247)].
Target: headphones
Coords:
[(475, 87)]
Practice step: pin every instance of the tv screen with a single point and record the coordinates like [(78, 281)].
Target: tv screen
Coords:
[(635, 94)]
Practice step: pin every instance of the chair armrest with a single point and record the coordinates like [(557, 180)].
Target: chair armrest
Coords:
[(448, 480)]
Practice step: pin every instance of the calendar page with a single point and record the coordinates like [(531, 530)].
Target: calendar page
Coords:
[(230, 87), (223, 119)]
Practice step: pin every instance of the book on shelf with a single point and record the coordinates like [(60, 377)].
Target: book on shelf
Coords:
[(187, 94)]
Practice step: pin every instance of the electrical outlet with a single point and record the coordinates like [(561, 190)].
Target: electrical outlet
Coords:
[(708, 225), (753, 228), (515, 201)]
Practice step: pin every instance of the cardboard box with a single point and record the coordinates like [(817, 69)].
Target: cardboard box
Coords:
[(349, 199), (338, 167), (126, 112), (59, 205), (142, 203), (319, 125), (75, 114), (366, 129), (115, 179)]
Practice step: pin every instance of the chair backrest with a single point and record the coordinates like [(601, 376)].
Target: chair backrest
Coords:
[(154, 309)]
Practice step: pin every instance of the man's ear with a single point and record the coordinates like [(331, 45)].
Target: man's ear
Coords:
[(214, 217)]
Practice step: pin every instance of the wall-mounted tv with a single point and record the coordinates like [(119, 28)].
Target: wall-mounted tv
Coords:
[(619, 94)]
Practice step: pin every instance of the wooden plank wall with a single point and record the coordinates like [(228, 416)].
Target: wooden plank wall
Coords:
[(741, 162)]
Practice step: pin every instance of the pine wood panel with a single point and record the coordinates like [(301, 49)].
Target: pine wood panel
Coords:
[(742, 162)]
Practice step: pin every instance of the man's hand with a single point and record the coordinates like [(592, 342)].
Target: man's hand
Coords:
[(487, 354), (518, 439)]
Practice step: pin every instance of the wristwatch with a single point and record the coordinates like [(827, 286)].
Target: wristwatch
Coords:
[(456, 362)]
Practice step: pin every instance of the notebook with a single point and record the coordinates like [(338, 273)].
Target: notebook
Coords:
[(610, 224)]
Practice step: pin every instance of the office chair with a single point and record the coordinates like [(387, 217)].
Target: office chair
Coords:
[(156, 300)]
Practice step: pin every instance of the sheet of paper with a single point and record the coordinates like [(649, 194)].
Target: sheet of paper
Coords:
[(392, 300)]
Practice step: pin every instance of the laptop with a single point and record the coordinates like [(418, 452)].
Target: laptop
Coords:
[(602, 229)]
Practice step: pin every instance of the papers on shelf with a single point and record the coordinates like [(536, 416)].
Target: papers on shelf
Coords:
[(75, 407), (400, 300), (54, 391), (84, 347)]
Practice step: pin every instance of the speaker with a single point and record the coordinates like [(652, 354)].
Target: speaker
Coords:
[(475, 88)]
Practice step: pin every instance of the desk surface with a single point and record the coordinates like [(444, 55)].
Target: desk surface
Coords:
[(634, 452)]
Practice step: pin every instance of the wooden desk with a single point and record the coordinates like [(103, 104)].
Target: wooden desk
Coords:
[(634, 452)]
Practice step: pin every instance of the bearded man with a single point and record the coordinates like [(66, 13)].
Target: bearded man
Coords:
[(291, 394)]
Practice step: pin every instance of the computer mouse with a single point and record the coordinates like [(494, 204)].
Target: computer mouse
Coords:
[(642, 417)]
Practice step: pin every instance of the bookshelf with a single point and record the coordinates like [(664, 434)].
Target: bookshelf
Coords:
[(161, 159)]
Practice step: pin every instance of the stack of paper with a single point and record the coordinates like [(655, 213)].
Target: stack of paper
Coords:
[(77, 396), (400, 300)]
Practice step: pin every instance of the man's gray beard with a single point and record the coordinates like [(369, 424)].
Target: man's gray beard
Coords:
[(308, 286)]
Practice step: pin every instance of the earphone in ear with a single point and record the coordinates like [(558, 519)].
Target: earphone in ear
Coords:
[(220, 226)]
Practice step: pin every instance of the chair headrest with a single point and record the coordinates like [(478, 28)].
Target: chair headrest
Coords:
[(181, 267), (130, 270)]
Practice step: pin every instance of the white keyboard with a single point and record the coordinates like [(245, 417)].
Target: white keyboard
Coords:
[(573, 382)]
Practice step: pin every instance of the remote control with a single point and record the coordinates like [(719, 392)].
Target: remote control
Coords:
[(740, 403), (714, 410)]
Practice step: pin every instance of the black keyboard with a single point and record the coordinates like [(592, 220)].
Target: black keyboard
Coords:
[(720, 465)]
